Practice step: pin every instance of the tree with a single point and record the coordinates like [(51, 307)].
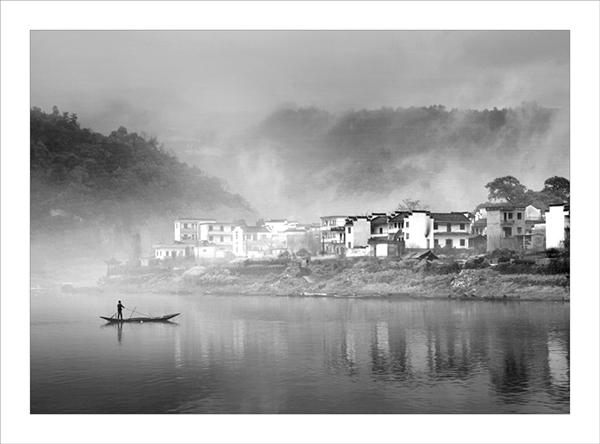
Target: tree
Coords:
[(558, 188), (409, 204), (507, 189)]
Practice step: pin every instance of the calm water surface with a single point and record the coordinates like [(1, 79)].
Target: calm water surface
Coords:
[(260, 354)]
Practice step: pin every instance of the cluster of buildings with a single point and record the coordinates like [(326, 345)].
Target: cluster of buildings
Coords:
[(376, 234)]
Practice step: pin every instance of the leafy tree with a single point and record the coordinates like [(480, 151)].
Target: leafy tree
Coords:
[(558, 188), (506, 189), (409, 204), (117, 182)]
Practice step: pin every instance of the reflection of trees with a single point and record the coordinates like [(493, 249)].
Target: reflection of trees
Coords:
[(520, 357)]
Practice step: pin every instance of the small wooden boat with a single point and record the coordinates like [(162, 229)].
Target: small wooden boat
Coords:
[(142, 319)]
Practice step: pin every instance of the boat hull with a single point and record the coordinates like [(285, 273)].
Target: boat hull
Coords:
[(145, 319)]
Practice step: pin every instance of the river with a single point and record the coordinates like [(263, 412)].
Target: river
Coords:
[(261, 354)]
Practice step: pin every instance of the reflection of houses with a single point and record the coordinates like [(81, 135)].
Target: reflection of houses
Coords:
[(451, 230), (558, 223)]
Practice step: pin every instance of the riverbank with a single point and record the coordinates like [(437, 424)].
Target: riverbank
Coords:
[(391, 279)]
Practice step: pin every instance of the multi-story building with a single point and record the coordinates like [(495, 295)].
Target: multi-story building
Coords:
[(333, 231), (357, 232), (379, 225), (187, 229), (451, 230), (219, 233), (558, 223), (252, 241), (277, 225), (506, 227), (396, 225), (418, 230)]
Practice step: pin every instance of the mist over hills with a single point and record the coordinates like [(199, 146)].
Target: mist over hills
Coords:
[(303, 163), (109, 187)]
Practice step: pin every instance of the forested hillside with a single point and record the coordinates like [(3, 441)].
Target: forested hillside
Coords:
[(318, 162), (116, 183)]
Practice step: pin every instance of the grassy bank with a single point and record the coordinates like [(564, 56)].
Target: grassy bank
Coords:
[(363, 278)]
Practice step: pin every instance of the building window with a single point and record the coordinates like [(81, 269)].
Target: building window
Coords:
[(435, 226), (436, 242), (349, 244), (406, 224), (510, 215), (448, 227), (381, 231), (210, 228), (462, 227), (349, 230), (519, 230), (210, 238), (449, 242), (221, 238), (519, 216), (222, 228), (462, 242), (407, 235), (176, 225)]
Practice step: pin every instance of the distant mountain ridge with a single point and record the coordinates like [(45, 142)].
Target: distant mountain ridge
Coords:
[(81, 179)]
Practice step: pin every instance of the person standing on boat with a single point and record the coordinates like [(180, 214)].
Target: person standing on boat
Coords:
[(120, 307)]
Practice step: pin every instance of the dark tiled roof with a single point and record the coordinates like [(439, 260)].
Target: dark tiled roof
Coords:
[(399, 217), (380, 220), (250, 229), (506, 207), (480, 223), (450, 217)]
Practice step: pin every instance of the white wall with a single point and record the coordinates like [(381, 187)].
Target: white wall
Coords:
[(419, 231), (555, 226)]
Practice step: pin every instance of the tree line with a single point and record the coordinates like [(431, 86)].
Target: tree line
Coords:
[(80, 178)]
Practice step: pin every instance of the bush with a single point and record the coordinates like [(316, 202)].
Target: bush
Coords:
[(552, 252), (559, 265), (476, 263), (444, 268), (508, 268)]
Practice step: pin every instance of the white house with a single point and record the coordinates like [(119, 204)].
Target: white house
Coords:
[(252, 241), (558, 220), (219, 233), (418, 230), (187, 229), (451, 230)]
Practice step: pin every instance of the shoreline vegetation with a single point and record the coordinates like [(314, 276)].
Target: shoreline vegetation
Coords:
[(481, 278)]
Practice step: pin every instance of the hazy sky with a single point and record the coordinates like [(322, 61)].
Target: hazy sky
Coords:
[(178, 85)]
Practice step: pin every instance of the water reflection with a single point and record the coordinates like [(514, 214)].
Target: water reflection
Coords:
[(520, 357), (277, 355)]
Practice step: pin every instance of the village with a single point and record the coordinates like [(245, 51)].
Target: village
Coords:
[(381, 235)]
